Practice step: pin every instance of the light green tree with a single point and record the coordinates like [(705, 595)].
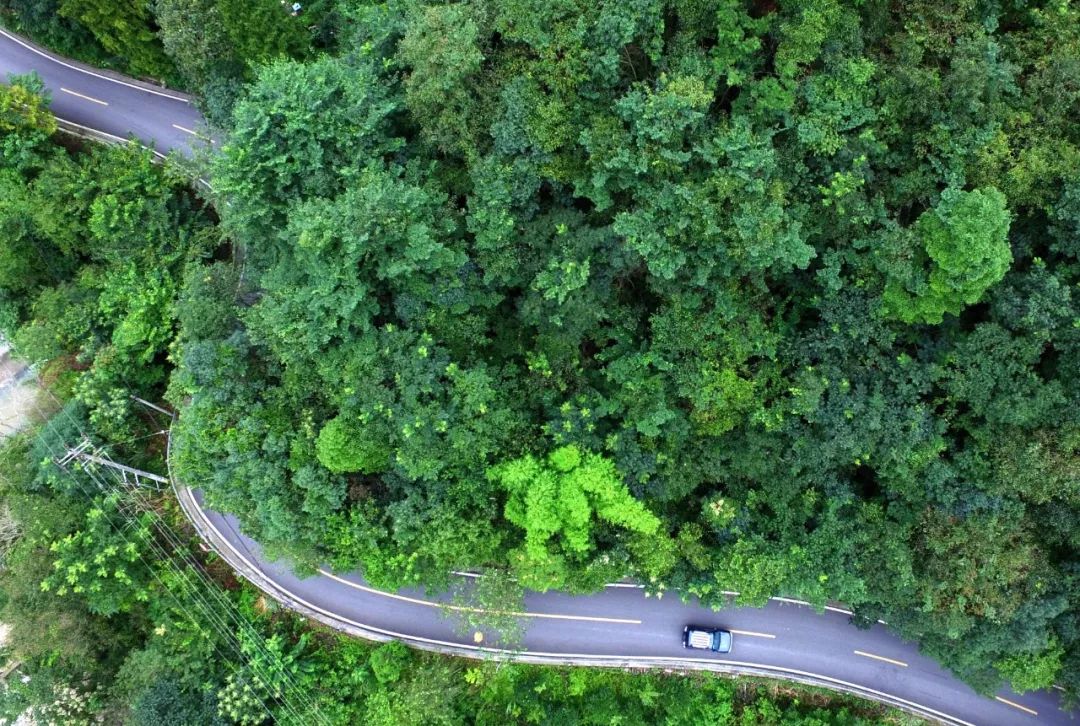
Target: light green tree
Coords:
[(1033, 671), (357, 444), (24, 104), (100, 563), (964, 250), (557, 499)]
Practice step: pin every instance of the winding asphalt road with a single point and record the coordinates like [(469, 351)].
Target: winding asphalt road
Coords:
[(107, 102), (616, 627)]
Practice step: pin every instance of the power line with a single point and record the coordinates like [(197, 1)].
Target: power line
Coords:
[(239, 622), (210, 587), (180, 605), (283, 677), (166, 532), (208, 611), (163, 528)]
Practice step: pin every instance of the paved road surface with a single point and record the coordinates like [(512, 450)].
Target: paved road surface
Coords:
[(618, 625), (105, 101), (623, 626)]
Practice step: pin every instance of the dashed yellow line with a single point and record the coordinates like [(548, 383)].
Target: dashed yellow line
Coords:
[(754, 634), (1025, 709), (460, 608), (86, 98), (864, 654)]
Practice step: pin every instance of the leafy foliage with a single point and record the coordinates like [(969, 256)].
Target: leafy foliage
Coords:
[(125, 31), (95, 246), (24, 105), (964, 238), (153, 663), (559, 498), (769, 298), (100, 563)]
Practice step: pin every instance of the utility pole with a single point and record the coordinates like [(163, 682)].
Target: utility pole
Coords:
[(129, 475)]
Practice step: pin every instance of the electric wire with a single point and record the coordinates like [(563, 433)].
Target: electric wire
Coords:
[(181, 607), (207, 611)]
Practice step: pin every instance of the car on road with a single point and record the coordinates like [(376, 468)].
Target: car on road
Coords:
[(717, 640)]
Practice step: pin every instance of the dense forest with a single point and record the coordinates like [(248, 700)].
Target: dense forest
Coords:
[(112, 611), (772, 297), (93, 648)]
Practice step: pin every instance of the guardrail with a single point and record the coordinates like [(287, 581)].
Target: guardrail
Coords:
[(257, 577), (85, 132)]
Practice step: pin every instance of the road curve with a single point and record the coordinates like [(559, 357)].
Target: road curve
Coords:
[(622, 627), (616, 627), (107, 102)]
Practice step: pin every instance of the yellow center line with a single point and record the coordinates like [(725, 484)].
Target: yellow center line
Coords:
[(754, 634), (87, 98), (864, 654), (461, 608), (1007, 702)]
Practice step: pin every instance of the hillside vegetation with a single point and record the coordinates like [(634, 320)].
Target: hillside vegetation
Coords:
[(113, 613), (767, 297), (773, 298)]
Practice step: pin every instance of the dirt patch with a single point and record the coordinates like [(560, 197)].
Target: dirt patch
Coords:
[(18, 395)]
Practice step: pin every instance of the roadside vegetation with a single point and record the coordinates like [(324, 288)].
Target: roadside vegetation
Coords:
[(113, 613), (106, 627), (775, 298)]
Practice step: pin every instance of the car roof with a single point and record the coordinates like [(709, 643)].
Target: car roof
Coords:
[(700, 638)]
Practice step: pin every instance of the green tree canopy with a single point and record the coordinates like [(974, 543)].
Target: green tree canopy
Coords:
[(558, 498), (964, 239), (769, 297)]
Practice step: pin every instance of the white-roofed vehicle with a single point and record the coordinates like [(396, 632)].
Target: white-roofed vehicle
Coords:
[(717, 640)]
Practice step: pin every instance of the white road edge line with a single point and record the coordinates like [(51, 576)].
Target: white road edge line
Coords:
[(115, 138), (462, 608), (496, 651), (895, 662), (1007, 702), (54, 59), (84, 97), (642, 587), (477, 575), (793, 601)]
